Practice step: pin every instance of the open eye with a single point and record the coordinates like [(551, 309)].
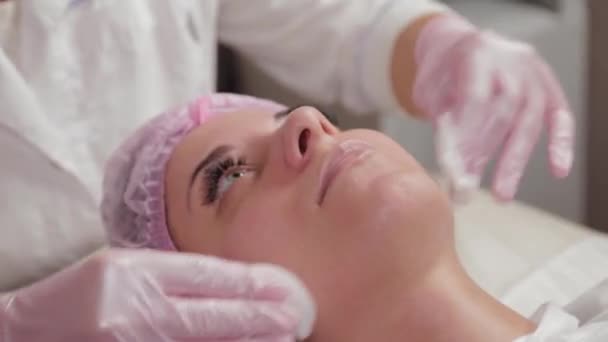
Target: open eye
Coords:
[(220, 178), (228, 179)]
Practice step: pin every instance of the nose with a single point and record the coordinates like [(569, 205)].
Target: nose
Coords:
[(301, 132)]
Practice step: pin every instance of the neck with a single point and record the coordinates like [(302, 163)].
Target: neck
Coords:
[(447, 306)]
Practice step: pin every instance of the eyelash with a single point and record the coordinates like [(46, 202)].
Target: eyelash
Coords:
[(214, 174)]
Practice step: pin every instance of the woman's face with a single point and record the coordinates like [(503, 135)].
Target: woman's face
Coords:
[(345, 211)]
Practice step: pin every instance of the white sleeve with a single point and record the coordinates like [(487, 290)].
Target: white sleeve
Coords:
[(332, 51), (47, 219)]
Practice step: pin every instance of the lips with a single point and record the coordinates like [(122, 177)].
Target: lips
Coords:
[(345, 155)]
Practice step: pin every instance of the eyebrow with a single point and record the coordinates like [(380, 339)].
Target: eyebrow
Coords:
[(211, 158)]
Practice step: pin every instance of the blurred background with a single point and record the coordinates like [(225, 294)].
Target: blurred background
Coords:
[(569, 34)]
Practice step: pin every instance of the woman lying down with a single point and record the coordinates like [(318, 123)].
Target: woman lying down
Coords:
[(350, 213)]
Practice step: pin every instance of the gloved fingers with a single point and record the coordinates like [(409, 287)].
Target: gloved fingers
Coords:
[(498, 114), (561, 142), (453, 160), (469, 101), (498, 118), (507, 87), (473, 146), (181, 274), (487, 117), (439, 80), (457, 146), (298, 299), (225, 319), (561, 125), (151, 335), (433, 80), (520, 144), (473, 87), (456, 74)]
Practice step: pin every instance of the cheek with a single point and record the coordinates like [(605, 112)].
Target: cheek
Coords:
[(258, 231)]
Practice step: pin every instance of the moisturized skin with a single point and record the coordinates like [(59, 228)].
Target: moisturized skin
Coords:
[(351, 213)]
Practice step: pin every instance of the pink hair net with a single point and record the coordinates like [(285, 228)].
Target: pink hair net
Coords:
[(133, 205)]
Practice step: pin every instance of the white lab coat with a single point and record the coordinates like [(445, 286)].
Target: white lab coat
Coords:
[(76, 76)]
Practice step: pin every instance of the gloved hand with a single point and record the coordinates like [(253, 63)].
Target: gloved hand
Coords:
[(485, 93), (139, 295)]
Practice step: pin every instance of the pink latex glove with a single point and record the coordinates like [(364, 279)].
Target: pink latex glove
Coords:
[(486, 93), (139, 295)]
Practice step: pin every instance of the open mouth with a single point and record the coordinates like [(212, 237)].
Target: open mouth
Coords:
[(344, 156)]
